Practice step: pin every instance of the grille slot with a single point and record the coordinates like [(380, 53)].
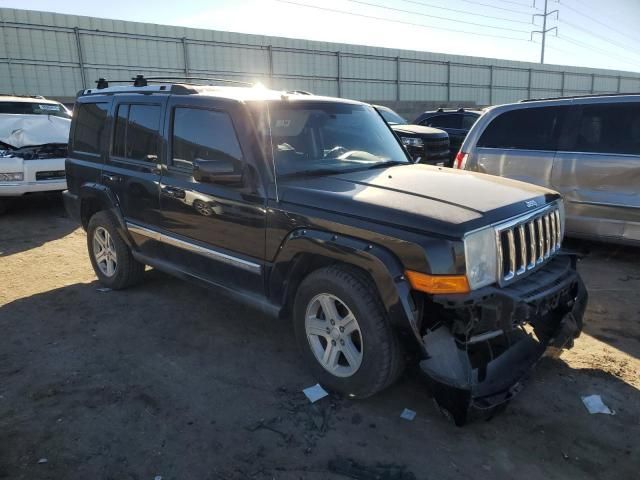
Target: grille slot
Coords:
[(525, 244)]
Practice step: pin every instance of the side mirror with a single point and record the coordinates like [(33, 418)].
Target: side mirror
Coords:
[(225, 171)]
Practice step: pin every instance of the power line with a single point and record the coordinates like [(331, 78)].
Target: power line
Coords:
[(421, 25), (589, 32), (593, 19), (488, 5), (413, 12), (504, 19)]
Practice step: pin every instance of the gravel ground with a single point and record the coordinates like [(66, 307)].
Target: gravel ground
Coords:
[(169, 379)]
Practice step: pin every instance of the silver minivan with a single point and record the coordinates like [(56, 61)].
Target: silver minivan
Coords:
[(587, 148)]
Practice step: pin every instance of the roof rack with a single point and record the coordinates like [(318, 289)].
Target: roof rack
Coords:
[(569, 97), (142, 81)]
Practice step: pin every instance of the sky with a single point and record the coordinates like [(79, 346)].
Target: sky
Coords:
[(590, 33)]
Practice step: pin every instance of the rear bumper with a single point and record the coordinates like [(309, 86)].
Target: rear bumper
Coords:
[(72, 205), (509, 330)]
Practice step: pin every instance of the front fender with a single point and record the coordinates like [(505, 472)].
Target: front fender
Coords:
[(302, 248)]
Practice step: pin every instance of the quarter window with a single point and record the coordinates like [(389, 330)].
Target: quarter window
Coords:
[(89, 126), (136, 134), (612, 128), (525, 128)]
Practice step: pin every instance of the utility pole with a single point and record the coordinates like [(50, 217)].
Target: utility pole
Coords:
[(544, 30)]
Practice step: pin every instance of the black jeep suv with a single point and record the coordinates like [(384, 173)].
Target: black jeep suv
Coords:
[(310, 208)]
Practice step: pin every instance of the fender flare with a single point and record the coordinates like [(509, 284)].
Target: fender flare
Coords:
[(107, 201), (382, 265)]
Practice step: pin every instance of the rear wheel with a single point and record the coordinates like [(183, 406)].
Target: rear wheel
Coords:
[(110, 256), (343, 332)]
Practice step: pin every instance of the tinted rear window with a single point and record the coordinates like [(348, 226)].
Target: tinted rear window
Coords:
[(136, 134), (613, 128), (89, 125), (29, 108), (525, 128), (451, 120)]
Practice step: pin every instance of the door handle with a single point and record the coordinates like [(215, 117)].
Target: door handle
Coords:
[(173, 192), (111, 178)]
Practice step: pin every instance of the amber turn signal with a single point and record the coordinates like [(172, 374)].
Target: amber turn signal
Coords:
[(438, 283)]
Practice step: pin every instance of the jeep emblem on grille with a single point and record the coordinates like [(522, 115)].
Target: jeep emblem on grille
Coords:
[(531, 203)]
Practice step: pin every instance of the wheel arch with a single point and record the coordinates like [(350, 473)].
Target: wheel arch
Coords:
[(305, 251), (95, 197)]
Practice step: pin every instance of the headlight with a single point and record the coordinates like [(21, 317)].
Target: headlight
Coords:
[(11, 177), (481, 261), (412, 142)]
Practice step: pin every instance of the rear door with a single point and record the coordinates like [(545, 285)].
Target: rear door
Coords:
[(597, 170), (213, 206), (132, 170), (521, 144)]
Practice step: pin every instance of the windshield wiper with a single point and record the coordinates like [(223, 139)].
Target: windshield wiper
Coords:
[(390, 163), (311, 172)]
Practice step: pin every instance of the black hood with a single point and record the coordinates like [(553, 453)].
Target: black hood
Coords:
[(420, 131), (418, 197)]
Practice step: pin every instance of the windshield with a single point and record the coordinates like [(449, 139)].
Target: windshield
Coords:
[(324, 137), (391, 117), (34, 108)]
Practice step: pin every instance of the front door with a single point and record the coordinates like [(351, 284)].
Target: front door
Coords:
[(210, 199)]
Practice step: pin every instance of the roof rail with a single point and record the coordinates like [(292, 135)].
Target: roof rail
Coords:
[(142, 81), (299, 92), (38, 97), (569, 97)]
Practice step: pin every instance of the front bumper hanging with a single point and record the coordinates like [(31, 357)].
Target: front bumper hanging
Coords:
[(490, 339)]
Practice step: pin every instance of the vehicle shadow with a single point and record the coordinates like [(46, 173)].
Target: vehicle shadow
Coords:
[(31, 221), (612, 276), (171, 379)]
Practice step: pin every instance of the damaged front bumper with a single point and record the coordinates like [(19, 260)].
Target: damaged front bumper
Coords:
[(484, 343)]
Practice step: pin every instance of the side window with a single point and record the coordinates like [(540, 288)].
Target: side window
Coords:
[(612, 128), (136, 132), (206, 142), (453, 120), (525, 128), (468, 121), (89, 124)]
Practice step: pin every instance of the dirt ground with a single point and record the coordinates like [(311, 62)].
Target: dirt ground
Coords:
[(169, 379)]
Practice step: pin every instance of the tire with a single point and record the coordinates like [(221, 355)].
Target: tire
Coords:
[(380, 360), (123, 271)]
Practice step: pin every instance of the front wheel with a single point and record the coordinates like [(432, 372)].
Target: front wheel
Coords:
[(110, 256), (343, 332)]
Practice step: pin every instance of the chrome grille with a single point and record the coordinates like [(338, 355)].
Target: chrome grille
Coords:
[(527, 242)]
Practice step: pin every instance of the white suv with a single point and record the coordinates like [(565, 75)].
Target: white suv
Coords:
[(34, 134)]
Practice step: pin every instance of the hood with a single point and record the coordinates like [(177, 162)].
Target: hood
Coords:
[(20, 131), (420, 131), (418, 197)]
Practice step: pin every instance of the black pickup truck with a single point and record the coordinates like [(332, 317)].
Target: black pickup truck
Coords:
[(310, 208)]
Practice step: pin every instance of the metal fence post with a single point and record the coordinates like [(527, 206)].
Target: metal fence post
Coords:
[(562, 85), (490, 84), (593, 81), (185, 54), (398, 79), (529, 84), (619, 83), (270, 51), (448, 82), (76, 31), (338, 74)]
